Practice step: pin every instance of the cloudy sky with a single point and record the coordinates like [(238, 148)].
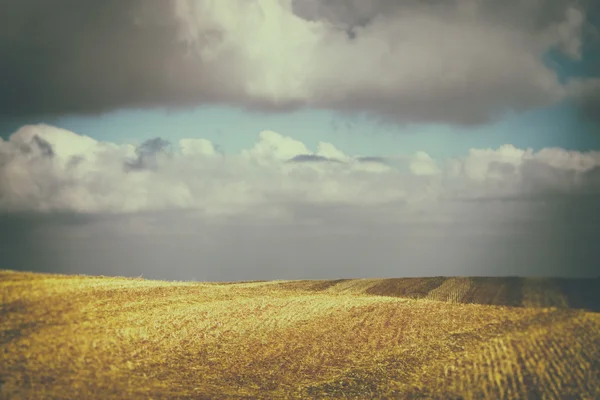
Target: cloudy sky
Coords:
[(300, 139)]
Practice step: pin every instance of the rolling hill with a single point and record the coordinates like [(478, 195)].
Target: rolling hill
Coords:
[(81, 337)]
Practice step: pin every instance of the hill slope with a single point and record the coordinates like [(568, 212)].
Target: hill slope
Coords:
[(97, 337), (511, 291)]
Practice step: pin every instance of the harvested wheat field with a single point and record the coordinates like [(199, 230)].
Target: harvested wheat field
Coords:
[(81, 337)]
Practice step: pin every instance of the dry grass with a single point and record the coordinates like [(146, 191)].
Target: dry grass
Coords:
[(543, 291), (75, 337), (452, 290)]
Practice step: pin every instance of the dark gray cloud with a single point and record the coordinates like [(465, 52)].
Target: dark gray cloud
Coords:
[(44, 147), (307, 158), (460, 61), (146, 154), (82, 56), (323, 242), (373, 159), (587, 96)]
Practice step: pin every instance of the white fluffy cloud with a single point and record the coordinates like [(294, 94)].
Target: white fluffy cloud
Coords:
[(197, 147), (281, 210), (43, 168)]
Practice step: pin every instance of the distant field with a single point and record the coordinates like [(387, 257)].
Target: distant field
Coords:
[(78, 337)]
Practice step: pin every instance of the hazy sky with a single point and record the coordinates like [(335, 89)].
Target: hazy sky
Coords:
[(300, 139)]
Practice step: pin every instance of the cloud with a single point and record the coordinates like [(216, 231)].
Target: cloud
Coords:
[(281, 210), (147, 154), (306, 158), (423, 164), (193, 147), (586, 94), (44, 168), (459, 61)]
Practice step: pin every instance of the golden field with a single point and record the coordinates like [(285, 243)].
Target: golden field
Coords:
[(81, 337)]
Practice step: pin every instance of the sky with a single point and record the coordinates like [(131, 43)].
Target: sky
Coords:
[(300, 139)]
